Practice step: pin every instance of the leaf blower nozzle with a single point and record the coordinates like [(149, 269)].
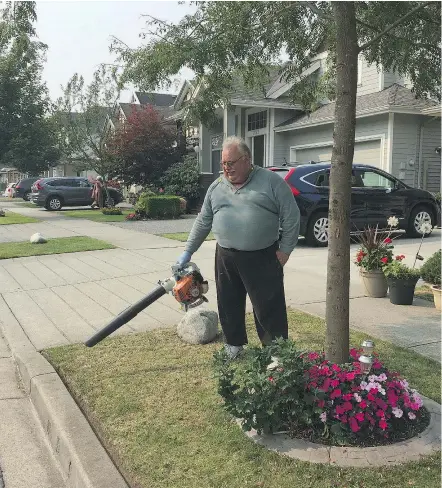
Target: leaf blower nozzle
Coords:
[(187, 286)]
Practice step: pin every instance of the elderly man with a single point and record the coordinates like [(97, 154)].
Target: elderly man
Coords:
[(245, 209)]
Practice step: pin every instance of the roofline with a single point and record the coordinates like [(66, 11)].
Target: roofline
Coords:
[(435, 111), (179, 97), (366, 113), (268, 104)]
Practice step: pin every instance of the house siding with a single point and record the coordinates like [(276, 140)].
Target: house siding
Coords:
[(405, 151), (391, 78), (431, 161), (370, 79), (365, 127)]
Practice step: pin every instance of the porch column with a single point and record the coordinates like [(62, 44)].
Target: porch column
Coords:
[(229, 122), (204, 154)]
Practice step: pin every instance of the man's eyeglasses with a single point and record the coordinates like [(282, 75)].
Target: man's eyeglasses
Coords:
[(229, 164)]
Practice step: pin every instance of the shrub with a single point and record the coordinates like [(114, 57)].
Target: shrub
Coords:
[(430, 270), (112, 211), (133, 216), (2, 213), (182, 179), (158, 207), (400, 271), (281, 388)]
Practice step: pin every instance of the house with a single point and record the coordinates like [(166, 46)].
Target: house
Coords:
[(394, 130)]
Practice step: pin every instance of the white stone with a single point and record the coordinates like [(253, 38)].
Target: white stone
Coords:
[(198, 326), (37, 238)]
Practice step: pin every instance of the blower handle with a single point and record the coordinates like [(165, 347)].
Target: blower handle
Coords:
[(127, 315)]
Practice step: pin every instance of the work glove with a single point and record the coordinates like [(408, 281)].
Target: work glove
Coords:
[(184, 258)]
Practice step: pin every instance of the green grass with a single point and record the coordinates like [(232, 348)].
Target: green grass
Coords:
[(154, 402), (53, 246), (25, 204), (95, 215), (424, 292), (14, 218), (182, 236)]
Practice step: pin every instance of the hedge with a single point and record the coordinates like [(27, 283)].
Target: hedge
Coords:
[(159, 207)]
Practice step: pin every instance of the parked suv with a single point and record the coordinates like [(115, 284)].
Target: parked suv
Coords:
[(23, 188), (376, 196), (55, 193)]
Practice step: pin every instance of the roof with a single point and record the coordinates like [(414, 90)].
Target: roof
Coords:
[(157, 99), (394, 97), (128, 108)]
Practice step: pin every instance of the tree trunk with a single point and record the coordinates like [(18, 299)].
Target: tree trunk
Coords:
[(338, 264)]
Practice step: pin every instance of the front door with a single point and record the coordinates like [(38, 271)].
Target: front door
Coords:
[(258, 150), (383, 198)]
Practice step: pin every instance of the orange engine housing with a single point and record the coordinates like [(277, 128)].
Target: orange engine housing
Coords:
[(186, 290)]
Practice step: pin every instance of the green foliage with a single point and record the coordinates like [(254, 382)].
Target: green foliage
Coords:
[(396, 270), (27, 135), (112, 211), (430, 270), (265, 400), (158, 207), (182, 179)]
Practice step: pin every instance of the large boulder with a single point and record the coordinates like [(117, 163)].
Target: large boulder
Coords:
[(198, 326), (37, 238)]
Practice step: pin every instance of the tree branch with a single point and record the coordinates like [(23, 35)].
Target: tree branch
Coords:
[(318, 11), (392, 26)]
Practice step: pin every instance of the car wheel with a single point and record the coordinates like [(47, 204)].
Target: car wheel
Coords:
[(53, 203), (110, 202), (419, 216), (317, 230), (27, 196)]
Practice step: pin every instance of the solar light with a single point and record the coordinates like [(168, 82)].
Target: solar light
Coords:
[(365, 362), (368, 347)]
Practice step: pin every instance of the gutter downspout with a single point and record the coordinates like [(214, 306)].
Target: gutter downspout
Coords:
[(420, 169)]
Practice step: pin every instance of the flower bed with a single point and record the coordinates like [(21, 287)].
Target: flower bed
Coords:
[(281, 389)]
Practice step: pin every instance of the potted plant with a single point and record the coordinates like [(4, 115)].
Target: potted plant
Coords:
[(374, 253), (401, 281), (430, 273)]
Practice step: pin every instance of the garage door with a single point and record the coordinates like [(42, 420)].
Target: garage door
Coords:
[(366, 152)]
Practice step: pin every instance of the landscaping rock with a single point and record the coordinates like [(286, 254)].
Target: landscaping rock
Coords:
[(37, 238), (198, 326)]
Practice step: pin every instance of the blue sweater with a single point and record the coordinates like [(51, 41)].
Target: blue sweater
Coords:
[(248, 218)]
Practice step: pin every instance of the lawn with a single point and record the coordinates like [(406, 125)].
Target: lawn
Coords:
[(53, 246), (182, 236), (154, 402), (95, 215), (14, 218)]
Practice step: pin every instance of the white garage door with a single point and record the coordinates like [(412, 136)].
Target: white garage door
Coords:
[(366, 152)]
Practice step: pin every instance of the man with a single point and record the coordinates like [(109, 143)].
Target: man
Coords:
[(245, 209)]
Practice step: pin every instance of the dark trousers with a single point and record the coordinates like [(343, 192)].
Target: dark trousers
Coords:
[(259, 275)]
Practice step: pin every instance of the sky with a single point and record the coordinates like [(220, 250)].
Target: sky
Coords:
[(78, 34)]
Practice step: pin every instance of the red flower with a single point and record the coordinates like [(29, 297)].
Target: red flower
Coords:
[(363, 404), (354, 353), (313, 355), (384, 260), (347, 397), (271, 379), (354, 426), (382, 424), (370, 397), (360, 416), (335, 393), (350, 376), (400, 257), (387, 241), (321, 403), (347, 406), (380, 413), (336, 368), (334, 383)]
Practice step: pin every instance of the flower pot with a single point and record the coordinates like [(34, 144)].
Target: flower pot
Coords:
[(402, 291), (375, 283), (436, 295)]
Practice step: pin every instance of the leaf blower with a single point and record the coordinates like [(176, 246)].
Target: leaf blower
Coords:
[(187, 286)]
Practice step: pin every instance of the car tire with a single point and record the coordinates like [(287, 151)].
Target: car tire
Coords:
[(418, 216), (110, 202), (317, 230), (27, 196), (53, 204)]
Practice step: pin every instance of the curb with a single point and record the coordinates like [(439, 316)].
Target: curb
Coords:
[(425, 443), (83, 461)]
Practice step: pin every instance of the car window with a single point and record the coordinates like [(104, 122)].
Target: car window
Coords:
[(372, 179), (52, 183), (318, 178), (84, 184)]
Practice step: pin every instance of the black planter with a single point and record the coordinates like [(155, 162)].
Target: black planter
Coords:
[(402, 291)]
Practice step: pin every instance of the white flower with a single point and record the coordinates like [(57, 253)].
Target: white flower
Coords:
[(372, 378), (363, 385), (411, 415), (425, 228), (393, 221), (382, 377), (358, 398), (397, 412), (274, 364), (418, 399), (323, 416), (404, 383)]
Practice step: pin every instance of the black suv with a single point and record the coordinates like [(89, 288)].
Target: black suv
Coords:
[(55, 193), (376, 196), (23, 188)]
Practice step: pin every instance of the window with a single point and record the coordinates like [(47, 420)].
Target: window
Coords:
[(318, 178), (257, 120), (84, 183), (372, 179)]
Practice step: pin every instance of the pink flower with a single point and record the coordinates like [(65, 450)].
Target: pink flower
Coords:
[(354, 426), (382, 424), (347, 406), (358, 398), (350, 376), (363, 404), (380, 413), (336, 368), (360, 416), (334, 383), (347, 397), (387, 241), (354, 353), (411, 415), (271, 379), (313, 355), (397, 412), (323, 416), (384, 260), (335, 393)]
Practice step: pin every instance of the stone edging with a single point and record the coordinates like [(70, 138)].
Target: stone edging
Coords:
[(428, 442), (83, 461)]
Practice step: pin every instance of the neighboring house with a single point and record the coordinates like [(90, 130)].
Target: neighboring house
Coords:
[(394, 130), (10, 175)]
